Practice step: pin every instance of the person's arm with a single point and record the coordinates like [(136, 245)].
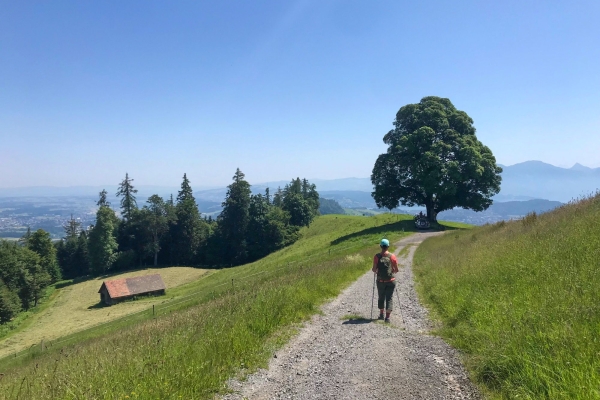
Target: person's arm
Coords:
[(375, 262), (394, 264)]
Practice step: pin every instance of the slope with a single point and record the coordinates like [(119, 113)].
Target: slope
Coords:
[(520, 299), (232, 322), (76, 307)]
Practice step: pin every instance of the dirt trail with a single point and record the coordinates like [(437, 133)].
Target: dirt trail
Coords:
[(336, 358)]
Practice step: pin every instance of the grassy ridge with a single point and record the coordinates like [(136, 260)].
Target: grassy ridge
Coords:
[(230, 326), (521, 300)]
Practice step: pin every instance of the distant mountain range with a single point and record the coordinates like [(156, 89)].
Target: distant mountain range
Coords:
[(523, 181)]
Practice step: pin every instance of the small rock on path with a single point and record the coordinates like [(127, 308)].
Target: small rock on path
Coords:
[(337, 358)]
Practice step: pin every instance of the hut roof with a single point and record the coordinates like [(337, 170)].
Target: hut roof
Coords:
[(132, 286)]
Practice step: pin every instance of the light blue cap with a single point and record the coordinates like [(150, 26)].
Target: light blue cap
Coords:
[(384, 242)]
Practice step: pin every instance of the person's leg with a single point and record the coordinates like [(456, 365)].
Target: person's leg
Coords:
[(380, 298), (389, 298)]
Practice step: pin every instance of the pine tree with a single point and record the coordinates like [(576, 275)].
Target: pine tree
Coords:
[(24, 240), (102, 199), (41, 244), (233, 220), (127, 193), (189, 230), (155, 217), (102, 245), (72, 228)]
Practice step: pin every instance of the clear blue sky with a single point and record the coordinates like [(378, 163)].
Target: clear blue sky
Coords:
[(90, 90)]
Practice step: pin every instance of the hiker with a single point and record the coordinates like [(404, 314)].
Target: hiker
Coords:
[(385, 265)]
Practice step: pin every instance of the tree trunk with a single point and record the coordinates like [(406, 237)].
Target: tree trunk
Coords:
[(431, 212), (155, 257)]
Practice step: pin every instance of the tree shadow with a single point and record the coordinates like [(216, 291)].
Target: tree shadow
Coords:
[(73, 281), (406, 225), (357, 321)]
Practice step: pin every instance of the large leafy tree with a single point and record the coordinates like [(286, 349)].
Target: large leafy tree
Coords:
[(435, 160), (301, 200), (21, 274)]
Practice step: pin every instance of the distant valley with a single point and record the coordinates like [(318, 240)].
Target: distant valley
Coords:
[(526, 187)]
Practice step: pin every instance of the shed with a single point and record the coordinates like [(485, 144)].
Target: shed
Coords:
[(112, 292)]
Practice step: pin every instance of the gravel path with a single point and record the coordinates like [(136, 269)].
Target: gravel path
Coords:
[(336, 358)]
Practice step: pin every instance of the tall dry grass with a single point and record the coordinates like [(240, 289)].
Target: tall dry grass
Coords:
[(521, 300)]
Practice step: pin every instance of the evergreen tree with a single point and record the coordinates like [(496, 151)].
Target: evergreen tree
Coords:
[(278, 198), (155, 216), (233, 220), (188, 232), (127, 193), (24, 240), (41, 244), (102, 245), (81, 259), (72, 255), (269, 228), (72, 228), (102, 199)]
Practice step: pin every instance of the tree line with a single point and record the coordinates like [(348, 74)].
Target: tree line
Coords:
[(162, 231)]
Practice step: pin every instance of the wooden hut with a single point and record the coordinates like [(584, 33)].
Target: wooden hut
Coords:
[(112, 292)]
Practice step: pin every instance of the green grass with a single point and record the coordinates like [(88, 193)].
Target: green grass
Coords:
[(74, 306), (229, 324), (364, 212), (520, 299), (24, 318)]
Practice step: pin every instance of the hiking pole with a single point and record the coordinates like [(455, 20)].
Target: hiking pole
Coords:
[(373, 297)]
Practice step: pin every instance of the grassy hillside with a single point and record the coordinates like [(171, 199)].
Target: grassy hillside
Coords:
[(521, 300), (76, 307), (231, 323)]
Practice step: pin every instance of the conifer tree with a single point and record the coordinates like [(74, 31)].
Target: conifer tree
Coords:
[(155, 217), (188, 232), (102, 199), (102, 244), (233, 220), (24, 240), (127, 193), (72, 228), (41, 243)]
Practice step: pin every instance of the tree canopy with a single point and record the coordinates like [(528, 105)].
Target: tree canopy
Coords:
[(435, 160)]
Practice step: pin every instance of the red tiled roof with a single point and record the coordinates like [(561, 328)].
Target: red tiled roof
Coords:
[(131, 286)]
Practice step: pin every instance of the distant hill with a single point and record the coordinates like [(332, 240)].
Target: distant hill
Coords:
[(540, 180), (329, 207), (524, 181)]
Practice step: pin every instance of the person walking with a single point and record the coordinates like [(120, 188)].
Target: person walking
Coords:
[(385, 265)]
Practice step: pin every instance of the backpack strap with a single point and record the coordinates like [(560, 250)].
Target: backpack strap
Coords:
[(379, 256)]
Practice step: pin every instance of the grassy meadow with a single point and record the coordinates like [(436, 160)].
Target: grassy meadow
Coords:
[(71, 307), (230, 324), (520, 299)]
